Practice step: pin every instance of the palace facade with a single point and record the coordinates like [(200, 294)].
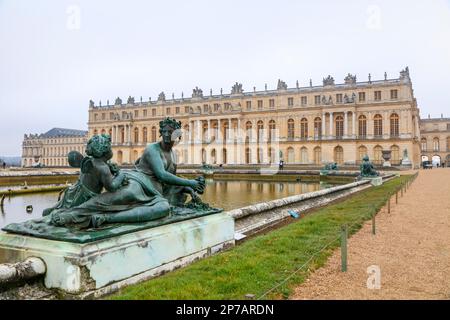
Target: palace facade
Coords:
[(435, 140), (50, 149), (310, 125)]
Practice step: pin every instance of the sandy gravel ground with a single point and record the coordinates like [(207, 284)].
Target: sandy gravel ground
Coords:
[(411, 248)]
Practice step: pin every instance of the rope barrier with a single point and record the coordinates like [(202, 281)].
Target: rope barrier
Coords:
[(349, 228)]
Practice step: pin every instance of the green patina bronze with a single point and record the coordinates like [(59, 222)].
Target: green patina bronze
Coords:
[(329, 167), (149, 195), (366, 168)]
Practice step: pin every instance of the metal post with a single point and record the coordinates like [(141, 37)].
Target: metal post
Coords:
[(396, 197), (401, 190), (373, 223), (389, 204), (344, 234)]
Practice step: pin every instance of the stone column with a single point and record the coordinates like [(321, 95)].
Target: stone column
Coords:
[(323, 124), (331, 126), (229, 135), (219, 131), (208, 132), (239, 130), (354, 125), (130, 130), (345, 125), (386, 125), (198, 135)]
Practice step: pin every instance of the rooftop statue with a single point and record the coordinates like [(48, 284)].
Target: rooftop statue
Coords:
[(118, 101), (350, 79), (162, 96), (328, 81), (149, 195), (237, 88), (91, 104), (281, 85), (367, 169), (197, 93), (404, 74), (130, 100)]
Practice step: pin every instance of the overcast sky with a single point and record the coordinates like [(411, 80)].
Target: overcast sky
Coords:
[(56, 55)]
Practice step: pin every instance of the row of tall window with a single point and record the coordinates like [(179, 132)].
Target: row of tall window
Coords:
[(435, 144), (139, 136), (377, 96)]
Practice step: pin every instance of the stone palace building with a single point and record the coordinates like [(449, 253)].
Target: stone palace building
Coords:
[(310, 125), (50, 149), (435, 140)]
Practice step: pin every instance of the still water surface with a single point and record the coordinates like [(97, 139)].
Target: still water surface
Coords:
[(220, 194)]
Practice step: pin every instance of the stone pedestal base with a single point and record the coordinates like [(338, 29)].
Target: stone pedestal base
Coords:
[(386, 164), (375, 181), (100, 267), (406, 163)]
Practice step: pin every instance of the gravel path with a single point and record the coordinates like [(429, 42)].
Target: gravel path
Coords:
[(411, 248)]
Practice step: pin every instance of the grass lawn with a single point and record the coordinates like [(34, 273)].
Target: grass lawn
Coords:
[(259, 264)]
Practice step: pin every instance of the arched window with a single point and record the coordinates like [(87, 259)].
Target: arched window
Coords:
[(135, 155), (205, 130), (339, 126), (362, 151), (395, 155), (394, 125), (119, 157), (304, 155), (225, 127), (260, 155), (136, 135), (290, 155), (154, 133), (435, 144), (317, 155), (248, 155), (378, 125), (378, 155), (203, 156), (260, 130), (362, 126), (272, 130), (144, 135), (95, 132), (271, 155), (339, 155), (448, 143), (122, 135), (290, 126), (215, 131), (103, 131), (248, 129), (304, 128), (423, 143), (224, 155), (213, 156), (110, 134), (317, 127)]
